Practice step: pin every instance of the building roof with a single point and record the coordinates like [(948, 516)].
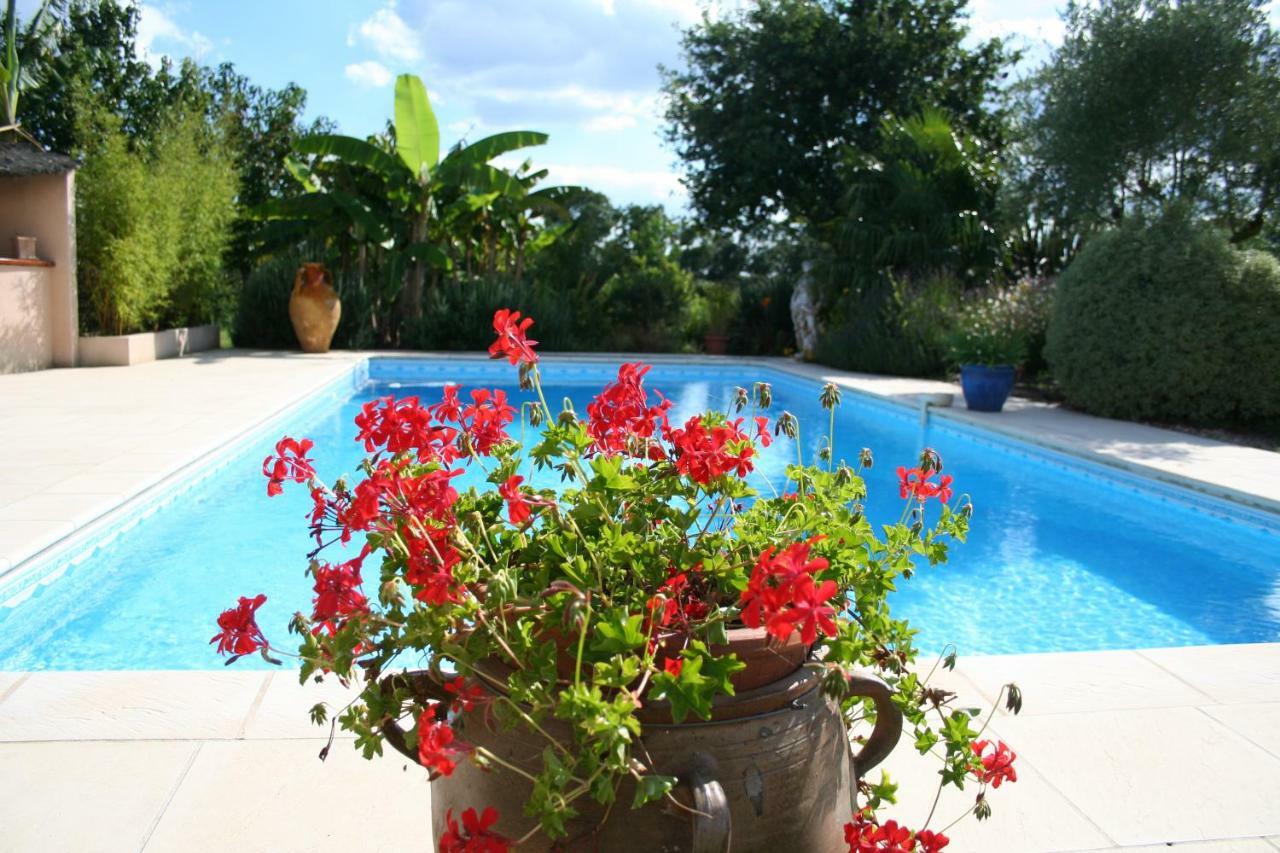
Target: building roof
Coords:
[(19, 158)]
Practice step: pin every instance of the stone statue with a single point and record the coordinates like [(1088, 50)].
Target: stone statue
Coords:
[(804, 313)]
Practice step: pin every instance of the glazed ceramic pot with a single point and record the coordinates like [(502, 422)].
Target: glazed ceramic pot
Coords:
[(986, 387), (773, 769), (314, 308)]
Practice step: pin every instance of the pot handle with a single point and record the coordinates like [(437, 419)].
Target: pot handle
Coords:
[(712, 828), (888, 729)]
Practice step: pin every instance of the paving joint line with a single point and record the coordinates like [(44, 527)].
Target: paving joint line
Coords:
[(1236, 731), (9, 691), (1162, 667), (257, 703), (173, 792)]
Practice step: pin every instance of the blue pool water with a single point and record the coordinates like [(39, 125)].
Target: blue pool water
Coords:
[(1062, 555)]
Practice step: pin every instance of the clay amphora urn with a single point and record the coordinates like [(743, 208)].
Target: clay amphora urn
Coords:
[(314, 308)]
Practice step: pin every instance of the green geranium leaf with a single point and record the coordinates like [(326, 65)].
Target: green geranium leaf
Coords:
[(650, 788)]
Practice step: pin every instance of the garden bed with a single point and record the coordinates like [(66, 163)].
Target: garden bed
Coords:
[(122, 350)]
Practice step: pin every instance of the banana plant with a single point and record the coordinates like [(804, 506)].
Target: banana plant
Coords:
[(412, 174), (19, 51)]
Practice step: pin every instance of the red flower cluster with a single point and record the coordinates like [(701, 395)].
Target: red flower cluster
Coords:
[(290, 462), (915, 483), (474, 835), (437, 749), (620, 419), (405, 425), (517, 507), (486, 418), (864, 836), (676, 603), (704, 452), (240, 633), (997, 765), (783, 596), (512, 341), (338, 595), (465, 696)]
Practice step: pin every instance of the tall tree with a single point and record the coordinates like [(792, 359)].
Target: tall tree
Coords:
[(771, 96), (1149, 101)]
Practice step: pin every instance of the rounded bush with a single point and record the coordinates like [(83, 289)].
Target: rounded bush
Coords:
[(1167, 321)]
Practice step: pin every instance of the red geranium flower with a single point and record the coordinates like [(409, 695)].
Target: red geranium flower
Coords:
[(783, 596), (517, 507), (672, 666), (240, 633), (338, 595), (620, 419), (486, 419), (944, 488), (465, 696), (511, 341), (997, 765), (705, 451), (290, 462), (474, 835), (437, 750), (930, 841)]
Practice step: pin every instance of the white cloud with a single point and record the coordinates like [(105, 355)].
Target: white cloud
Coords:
[(1049, 29), (389, 36), (609, 123), (156, 25), (369, 73), (653, 185)]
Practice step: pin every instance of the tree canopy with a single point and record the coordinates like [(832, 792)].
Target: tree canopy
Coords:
[(1148, 101), (771, 96)]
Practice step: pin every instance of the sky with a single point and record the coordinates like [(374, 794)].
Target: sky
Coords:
[(583, 71)]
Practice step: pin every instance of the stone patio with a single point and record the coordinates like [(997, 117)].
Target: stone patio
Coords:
[(1131, 750)]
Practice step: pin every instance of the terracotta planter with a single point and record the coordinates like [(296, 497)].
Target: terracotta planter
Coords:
[(715, 344), (781, 776), (314, 308)]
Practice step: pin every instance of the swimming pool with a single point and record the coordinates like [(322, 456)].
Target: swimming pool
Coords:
[(1063, 554)]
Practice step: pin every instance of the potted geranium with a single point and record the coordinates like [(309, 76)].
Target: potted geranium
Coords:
[(618, 644), (988, 344)]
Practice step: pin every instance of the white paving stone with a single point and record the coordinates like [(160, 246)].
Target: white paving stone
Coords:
[(86, 797), (1153, 776), (1227, 845), (1259, 722), (1238, 673), (1028, 816), (129, 705), (284, 711), (1066, 682), (270, 796)]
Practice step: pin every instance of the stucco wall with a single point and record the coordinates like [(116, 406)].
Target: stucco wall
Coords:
[(41, 206), (26, 323)]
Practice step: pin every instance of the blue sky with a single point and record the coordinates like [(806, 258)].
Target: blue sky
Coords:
[(584, 71)]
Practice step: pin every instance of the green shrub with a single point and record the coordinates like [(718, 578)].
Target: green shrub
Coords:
[(458, 315), (1167, 321), (646, 305), (763, 324), (893, 326), (988, 330), (153, 223)]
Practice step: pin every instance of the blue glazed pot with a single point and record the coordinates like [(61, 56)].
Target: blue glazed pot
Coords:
[(986, 387)]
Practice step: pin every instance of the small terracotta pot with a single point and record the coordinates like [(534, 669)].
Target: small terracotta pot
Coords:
[(314, 308), (715, 344)]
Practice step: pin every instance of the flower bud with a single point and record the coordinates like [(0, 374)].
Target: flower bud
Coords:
[(830, 396), (787, 425), (824, 453), (739, 398), (865, 459), (930, 460), (982, 809), (764, 394), (526, 376), (535, 414), (844, 475)]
